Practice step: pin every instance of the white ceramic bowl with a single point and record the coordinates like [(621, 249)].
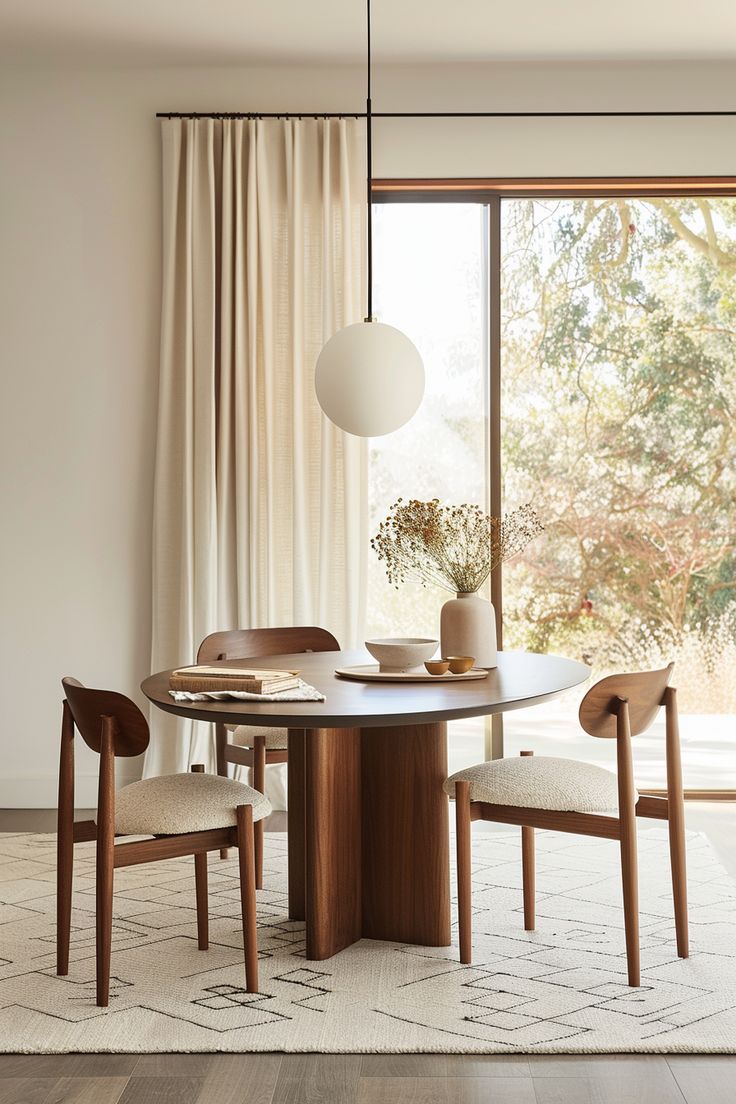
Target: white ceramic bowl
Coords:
[(401, 653)]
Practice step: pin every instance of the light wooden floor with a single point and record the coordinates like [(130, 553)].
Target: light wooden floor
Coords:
[(367, 1079), (372, 1079)]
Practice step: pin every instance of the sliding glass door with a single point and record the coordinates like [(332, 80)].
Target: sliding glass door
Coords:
[(616, 357)]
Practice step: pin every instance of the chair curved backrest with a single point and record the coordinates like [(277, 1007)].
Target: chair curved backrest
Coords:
[(88, 707), (644, 691), (252, 643)]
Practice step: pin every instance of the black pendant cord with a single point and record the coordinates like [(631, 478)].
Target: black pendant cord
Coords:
[(369, 166)]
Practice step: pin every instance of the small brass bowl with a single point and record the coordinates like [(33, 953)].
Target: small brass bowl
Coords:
[(459, 664), (437, 666)]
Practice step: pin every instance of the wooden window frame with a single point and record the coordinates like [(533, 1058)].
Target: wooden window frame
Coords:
[(490, 192), (480, 189)]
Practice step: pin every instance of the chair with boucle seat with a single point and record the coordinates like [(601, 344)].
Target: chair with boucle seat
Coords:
[(569, 796), (186, 814), (251, 745)]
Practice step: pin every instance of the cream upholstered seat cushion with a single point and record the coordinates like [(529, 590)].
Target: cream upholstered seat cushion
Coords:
[(175, 803), (277, 739), (542, 782)]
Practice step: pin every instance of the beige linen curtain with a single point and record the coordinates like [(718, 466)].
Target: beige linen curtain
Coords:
[(260, 506)]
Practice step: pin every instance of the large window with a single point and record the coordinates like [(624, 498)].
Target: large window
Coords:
[(618, 387), (431, 281)]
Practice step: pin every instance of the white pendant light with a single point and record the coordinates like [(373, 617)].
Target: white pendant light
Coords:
[(369, 377)]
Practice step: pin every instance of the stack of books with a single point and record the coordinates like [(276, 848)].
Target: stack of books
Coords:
[(202, 680)]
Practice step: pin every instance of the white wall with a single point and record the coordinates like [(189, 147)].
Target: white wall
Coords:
[(79, 293), (557, 147)]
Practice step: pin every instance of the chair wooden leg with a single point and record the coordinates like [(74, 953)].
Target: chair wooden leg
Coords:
[(65, 844), (200, 882), (528, 871), (64, 877), (104, 925), (105, 864), (464, 876), (679, 882), (676, 824), (679, 886), (528, 877), (244, 814), (629, 862), (630, 876), (221, 763), (258, 852), (259, 783)]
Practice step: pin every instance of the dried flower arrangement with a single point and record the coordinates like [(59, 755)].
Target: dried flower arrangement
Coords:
[(455, 547)]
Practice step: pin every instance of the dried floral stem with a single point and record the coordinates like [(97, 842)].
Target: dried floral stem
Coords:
[(455, 547)]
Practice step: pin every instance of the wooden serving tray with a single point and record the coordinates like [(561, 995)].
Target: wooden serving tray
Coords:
[(369, 672)]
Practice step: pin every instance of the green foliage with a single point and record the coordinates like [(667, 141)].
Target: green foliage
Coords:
[(619, 367)]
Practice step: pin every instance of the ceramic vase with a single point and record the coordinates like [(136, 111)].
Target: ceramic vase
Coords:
[(468, 627)]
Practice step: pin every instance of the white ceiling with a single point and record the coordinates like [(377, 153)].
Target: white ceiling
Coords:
[(232, 31)]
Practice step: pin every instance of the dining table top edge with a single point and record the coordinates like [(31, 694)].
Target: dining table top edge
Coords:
[(314, 715)]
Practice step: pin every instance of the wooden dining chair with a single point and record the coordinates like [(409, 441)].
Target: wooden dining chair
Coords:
[(186, 814), (565, 795), (251, 745)]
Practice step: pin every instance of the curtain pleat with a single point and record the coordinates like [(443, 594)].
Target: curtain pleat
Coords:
[(260, 505)]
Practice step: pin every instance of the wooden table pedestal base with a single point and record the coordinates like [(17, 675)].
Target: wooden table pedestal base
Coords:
[(368, 836)]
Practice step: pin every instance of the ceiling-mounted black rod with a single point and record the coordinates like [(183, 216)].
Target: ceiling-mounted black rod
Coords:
[(544, 114), (260, 114), (442, 114)]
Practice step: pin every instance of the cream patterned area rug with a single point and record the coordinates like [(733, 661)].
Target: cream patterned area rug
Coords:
[(561, 989)]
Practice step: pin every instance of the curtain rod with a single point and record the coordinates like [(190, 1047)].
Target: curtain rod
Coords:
[(438, 114)]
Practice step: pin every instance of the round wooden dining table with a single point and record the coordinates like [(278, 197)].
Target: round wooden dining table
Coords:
[(368, 825)]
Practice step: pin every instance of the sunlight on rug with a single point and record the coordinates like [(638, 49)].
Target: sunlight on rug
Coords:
[(561, 989)]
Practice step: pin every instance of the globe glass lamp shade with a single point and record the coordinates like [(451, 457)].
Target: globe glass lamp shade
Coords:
[(369, 379)]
